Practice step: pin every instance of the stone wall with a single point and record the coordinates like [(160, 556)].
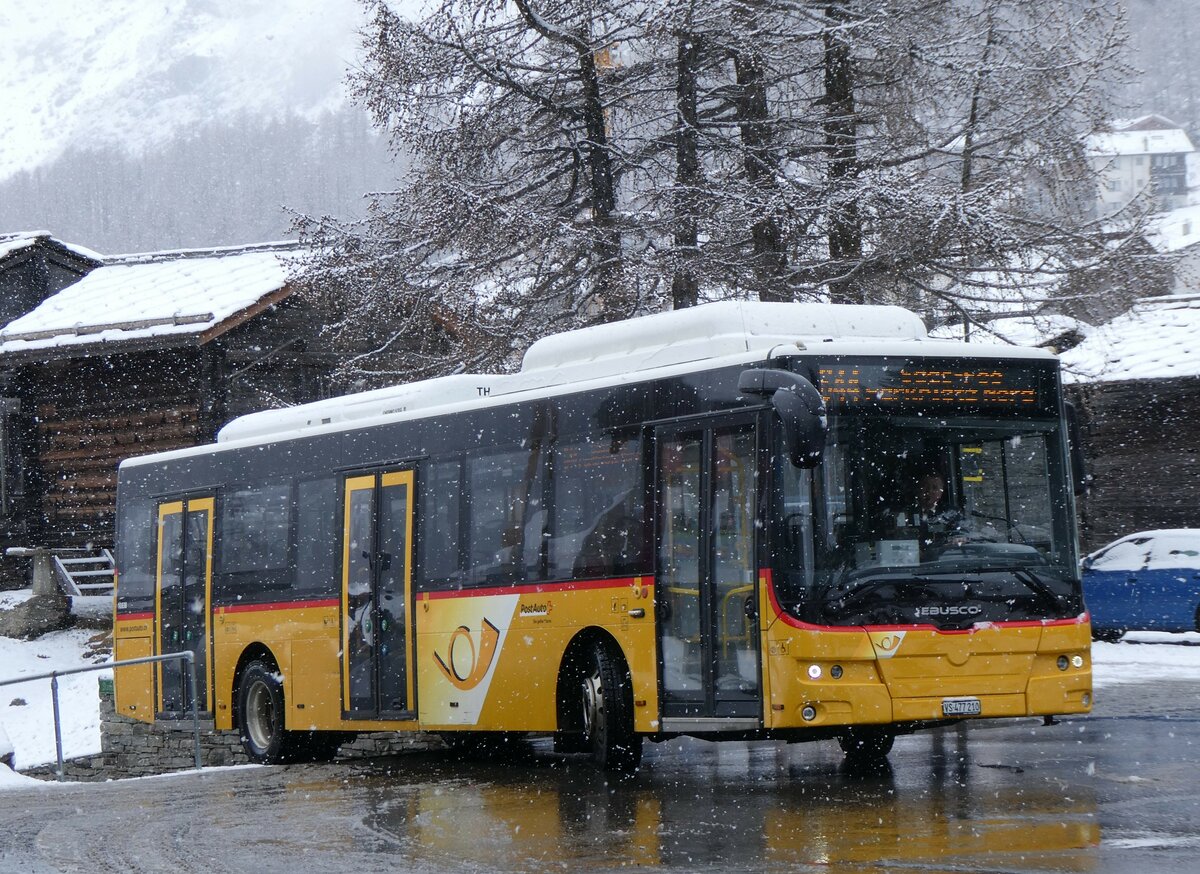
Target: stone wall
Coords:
[(130, 748)]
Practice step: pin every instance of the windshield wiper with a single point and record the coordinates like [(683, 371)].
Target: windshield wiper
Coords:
[(1037, 584), (865, 582)]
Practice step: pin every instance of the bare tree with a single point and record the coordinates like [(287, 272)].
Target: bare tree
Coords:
[(575, 161)]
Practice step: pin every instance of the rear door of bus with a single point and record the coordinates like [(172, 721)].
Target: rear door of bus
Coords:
[(183, 599), (376, 594)]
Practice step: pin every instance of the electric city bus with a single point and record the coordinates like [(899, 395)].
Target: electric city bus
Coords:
[(736, 521)]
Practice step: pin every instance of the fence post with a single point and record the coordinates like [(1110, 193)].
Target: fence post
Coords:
[(191, 660), (57, 728)]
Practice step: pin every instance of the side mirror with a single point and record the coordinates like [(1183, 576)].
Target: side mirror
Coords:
[(800, 409)]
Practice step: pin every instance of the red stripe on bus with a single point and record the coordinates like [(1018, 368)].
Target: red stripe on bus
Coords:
[(536, 588), (808, 626), (130, 617), (278, 605)]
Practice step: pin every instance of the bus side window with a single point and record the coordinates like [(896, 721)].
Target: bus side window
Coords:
[(317, 537), (254, 526), (598, 529), (439, 535), (137, 548), (506, 516)]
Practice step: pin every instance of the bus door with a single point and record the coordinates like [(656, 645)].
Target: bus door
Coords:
[(707, 575), (183, 597), (376, 593)]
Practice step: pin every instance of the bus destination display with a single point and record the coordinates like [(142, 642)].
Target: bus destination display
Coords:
[(931, 385)]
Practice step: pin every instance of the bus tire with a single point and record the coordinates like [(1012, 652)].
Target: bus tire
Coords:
[(606, 696), (866, 744), (261, 717)]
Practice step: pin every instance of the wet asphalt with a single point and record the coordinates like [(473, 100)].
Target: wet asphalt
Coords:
[(1111, 792)]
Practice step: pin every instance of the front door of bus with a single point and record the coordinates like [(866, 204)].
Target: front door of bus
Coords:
[(182, 597), (376, 589), (707, 593)]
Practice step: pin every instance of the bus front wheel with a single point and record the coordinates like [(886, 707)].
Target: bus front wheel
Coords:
[(261, 712), (607, 701), (866, 744)]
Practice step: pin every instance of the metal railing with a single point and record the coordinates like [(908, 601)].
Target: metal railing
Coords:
[(187, 655)]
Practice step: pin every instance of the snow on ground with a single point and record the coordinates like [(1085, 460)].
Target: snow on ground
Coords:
[(30, 725), (1142, 656)]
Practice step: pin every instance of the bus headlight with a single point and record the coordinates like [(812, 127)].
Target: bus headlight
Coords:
[(814, 672), (1062, 662), (808, 713), (1077, 661)]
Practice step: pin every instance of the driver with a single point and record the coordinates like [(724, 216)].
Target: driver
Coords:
[(927, 512), (931, 488)]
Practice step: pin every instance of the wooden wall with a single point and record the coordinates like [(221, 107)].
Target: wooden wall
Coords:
[(82, 416), (1141, 442), (94, 412)]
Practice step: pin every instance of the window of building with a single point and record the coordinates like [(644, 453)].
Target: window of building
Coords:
[(12, 462)]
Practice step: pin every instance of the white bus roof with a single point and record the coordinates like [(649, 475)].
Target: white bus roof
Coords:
[(661, 345)]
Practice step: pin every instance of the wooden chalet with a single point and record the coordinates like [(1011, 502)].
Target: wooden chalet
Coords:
[(1136, 383), (141, 353)]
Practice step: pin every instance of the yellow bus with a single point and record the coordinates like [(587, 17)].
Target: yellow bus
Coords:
[(738, 521)]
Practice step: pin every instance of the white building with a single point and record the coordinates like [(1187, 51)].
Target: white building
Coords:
[(1150, 156)]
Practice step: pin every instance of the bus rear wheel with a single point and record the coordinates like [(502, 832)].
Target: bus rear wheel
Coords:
[(606, 696), (261, 714), (866, 745)]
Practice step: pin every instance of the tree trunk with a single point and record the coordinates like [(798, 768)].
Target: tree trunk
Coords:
[(603, 191), (841, 133), (769, 253), (685, 288)]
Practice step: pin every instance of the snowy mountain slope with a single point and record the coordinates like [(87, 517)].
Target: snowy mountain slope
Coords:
[(135, 73)]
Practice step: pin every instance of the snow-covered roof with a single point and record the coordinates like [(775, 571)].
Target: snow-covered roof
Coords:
[(1175, 229), (1038, 330), (1138, 142), (183, 295), (21, 240), (1154, 340), (1149, 121)]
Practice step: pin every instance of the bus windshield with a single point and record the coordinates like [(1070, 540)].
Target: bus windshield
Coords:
[(923, 519)]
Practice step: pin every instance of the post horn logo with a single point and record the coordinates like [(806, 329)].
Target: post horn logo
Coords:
[(466, 669), (887, 643)]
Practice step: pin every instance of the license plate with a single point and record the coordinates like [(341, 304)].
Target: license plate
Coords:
[(961, 707)]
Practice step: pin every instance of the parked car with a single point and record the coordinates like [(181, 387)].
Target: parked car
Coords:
[(1144, 581)]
